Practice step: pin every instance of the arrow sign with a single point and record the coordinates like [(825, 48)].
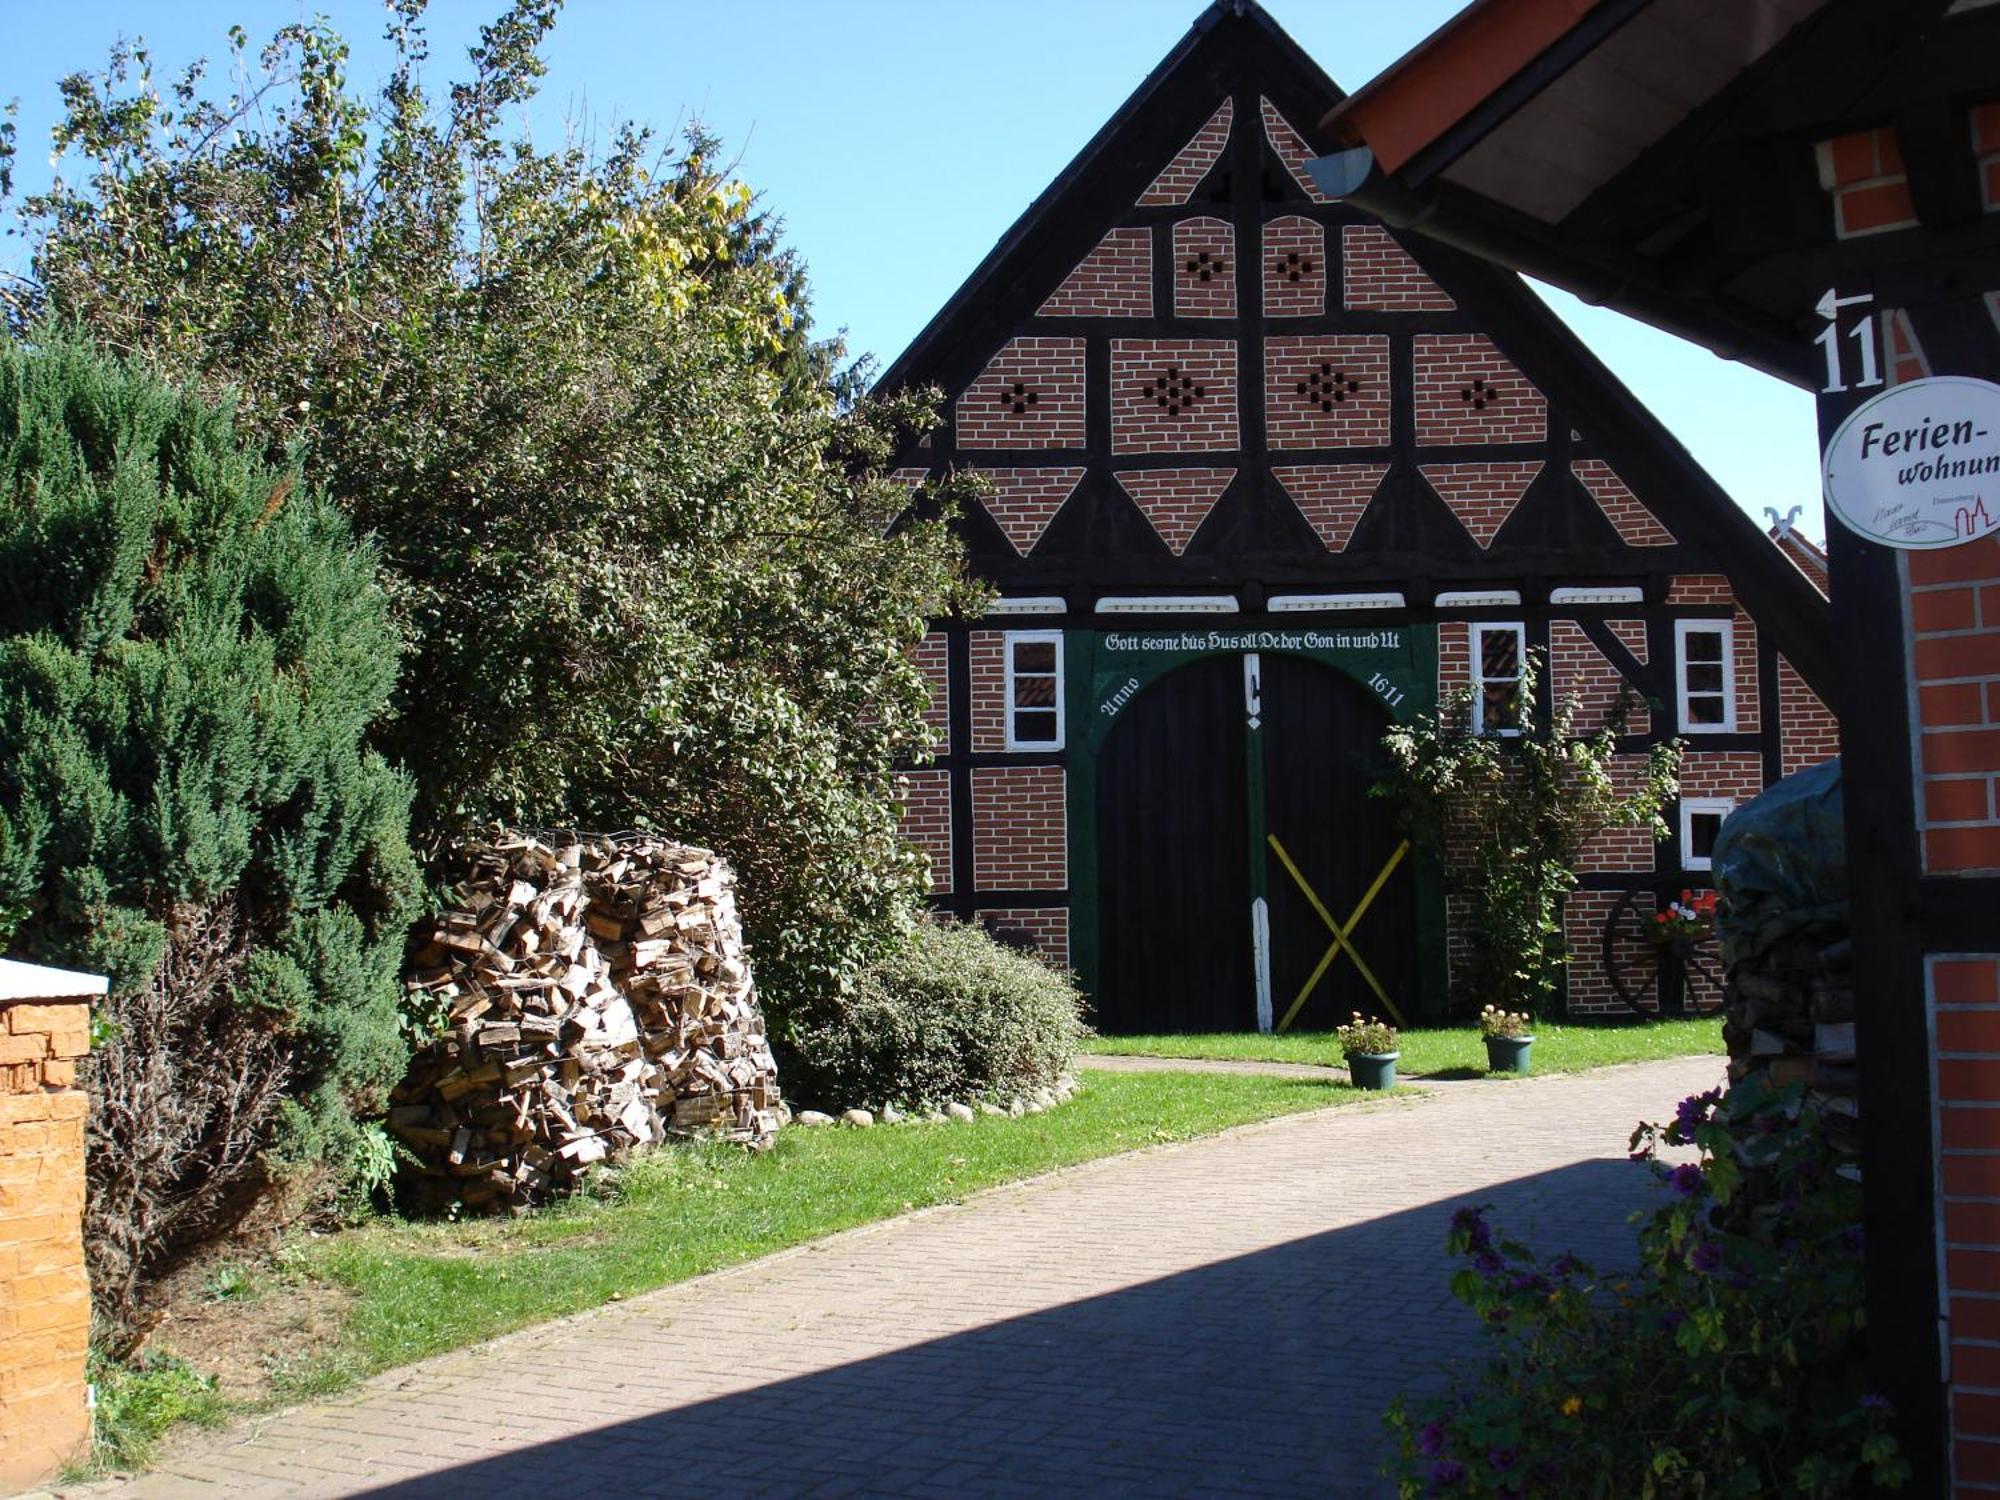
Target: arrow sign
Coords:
[(1830, 304)]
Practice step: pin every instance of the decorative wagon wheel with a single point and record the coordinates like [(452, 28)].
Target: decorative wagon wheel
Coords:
[(1652, 977)]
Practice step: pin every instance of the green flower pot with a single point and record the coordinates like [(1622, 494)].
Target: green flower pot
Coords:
[(1373, 1070), (1508, 1054)]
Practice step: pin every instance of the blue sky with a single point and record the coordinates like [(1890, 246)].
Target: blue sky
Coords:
[(899, 139)]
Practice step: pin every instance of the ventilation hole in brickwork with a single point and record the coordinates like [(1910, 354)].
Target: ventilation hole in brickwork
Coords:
[(1326, 385), (1206, 265), (1292, 266), (1017, 397), (1173, 390), (1480, 395)]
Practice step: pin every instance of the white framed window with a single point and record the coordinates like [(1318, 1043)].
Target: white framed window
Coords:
[(1034, 689), (1705, 657), (1701, 821), (1497, 654)]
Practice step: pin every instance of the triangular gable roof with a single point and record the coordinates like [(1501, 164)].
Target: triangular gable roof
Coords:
[(1235, 49)]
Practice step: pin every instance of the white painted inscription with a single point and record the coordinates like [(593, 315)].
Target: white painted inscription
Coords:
[(1919, 465)]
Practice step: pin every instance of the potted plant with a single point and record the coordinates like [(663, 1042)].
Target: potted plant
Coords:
[(1684, 925), (1370, 1048), (1509, 1035)]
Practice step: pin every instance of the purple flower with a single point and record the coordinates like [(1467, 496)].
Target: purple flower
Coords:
[(1563, 1267), (1446, 1471), (1487, 1262), (1850, 1240), (1500, 1458), (1873, 1402), (1706, 1258), (1686, 1179), (1430, 1439), (1472, 1224)]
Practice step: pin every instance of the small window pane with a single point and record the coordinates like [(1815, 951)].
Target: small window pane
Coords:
[(1705, 710), (1034, 726), (1705, 679), (1499, 654), (1035, 656), (1704, 645), (1500, 706), (1702, 829), (1034, 692)]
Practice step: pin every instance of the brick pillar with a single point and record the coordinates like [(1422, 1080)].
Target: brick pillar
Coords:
[(44, 1296)]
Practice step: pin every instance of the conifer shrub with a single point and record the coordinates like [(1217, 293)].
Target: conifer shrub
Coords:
[(953, 1013), (191, 650)]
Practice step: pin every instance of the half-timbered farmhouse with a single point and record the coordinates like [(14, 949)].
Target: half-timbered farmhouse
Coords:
[(1266, 478)]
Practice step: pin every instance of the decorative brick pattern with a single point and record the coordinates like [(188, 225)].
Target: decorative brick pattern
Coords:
[(1637, 526), (1176, 501), (1469, 392), (1482, 496), (1700, 588), (1205, 268), (1047, 926), (1954, 602), (1326, 391), (1577, 666), (1378, 275), (1181, 176), (926, 821), (1019, 841), (1865, 174), (1749, 696), (1454, 657), (1290, 148), (1586, 979), (1735, 774), (1986, 145), (1808, 733), (1024, 501), (1624, 849), (1030, 396), (929, 656), (1114, 281), (988, 690), (44, 1296), (1332, 497), (1294, 268), (1173, 395)]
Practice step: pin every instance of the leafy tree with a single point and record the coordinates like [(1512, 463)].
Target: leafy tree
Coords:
[(635, 516), (1508, 817), (192, 647)]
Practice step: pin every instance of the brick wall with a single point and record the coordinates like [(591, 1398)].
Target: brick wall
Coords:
[(1326, 391), (1172, 395), (1808, 733), (1024, 501), (1294, 268), (1577, 666), (926, 822), (1865, 174), (1378, 275), (1469, 392), (1964, 993), (1454, 657), (1030, 396), (1290, 148), (1620, 850), (1018, 837), (1586, 980), (1735, 774), (929, 656), (1637, 526), (1205, 268), (1184, 173), (988, 691), (1114, 281), (1047, 925), (1482, 496), (1700, 588), (44, 1296), (1176, 501), (1332, 497), (1955, 622)]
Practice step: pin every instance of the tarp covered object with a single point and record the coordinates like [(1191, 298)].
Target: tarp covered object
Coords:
[(1780, 865)]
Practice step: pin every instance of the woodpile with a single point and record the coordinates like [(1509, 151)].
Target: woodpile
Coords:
[(600, 1001), (1789, 1013)]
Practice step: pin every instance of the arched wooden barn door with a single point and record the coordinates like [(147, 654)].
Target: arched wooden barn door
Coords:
[(1329, 845), (1173, 872)]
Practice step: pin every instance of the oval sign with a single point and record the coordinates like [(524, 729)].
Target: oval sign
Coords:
[(1919, 465)]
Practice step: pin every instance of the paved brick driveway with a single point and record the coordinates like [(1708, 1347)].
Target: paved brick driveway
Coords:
[(1191, 1320)]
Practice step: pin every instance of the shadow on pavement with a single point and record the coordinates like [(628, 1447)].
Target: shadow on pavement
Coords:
[(1265, 1374)]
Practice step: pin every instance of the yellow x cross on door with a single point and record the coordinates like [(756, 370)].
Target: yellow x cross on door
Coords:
[(1343, 935)]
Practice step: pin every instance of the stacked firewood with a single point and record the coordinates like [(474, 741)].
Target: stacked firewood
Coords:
[(599, 1000), (1790, 1014)]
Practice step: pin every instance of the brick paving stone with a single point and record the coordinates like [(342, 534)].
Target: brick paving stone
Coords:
[(1180, 1321)]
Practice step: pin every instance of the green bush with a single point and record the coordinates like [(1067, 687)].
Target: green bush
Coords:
[(192, 648), (951, 1014), (1731, 1364), (137, 1403)]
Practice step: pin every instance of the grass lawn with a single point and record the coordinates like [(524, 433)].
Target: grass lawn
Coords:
[(1456, 1050), (390, 1292)]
